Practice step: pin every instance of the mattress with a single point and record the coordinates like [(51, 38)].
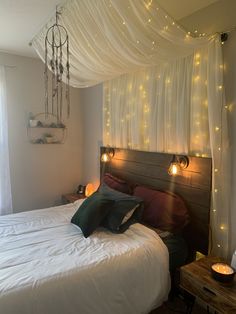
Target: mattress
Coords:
[(47, 266)]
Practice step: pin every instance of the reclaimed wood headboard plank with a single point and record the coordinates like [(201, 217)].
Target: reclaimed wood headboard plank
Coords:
[(193, 185)]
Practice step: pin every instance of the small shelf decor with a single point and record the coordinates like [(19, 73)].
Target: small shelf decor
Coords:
[(46, 130)]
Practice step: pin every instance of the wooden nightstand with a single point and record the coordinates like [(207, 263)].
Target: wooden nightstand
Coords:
[(71, 198), (196, 279)]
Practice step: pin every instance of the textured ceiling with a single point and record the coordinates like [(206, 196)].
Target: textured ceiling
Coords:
[(20, 20)]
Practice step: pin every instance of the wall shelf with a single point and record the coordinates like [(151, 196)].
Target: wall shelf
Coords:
[(45, 129)]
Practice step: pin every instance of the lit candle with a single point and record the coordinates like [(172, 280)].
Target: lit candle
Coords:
[(222, 268), (222, 272)]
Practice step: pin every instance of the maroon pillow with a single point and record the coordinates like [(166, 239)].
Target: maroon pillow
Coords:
[(163, 210), (116, 183)]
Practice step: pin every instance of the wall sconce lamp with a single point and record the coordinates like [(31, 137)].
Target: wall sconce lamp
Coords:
[(108, 154), (177, 164)]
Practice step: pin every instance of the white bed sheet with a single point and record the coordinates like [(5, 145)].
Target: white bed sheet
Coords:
[(47, 266)]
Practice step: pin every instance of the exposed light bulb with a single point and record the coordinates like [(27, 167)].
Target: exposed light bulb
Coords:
[(105, 157), (174, 169)]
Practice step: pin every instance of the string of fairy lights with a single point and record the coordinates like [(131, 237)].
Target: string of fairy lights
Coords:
[(142, 96)]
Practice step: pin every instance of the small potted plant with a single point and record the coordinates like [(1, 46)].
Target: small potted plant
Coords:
[(48, 138)]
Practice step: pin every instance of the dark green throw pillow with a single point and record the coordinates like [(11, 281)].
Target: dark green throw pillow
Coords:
[(92, 212), (123, 205)]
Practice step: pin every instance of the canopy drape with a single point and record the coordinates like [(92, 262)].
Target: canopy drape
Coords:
[(177, 107), (163, 88), (112, 37)]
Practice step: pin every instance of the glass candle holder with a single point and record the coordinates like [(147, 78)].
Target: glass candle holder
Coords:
[(222, 272)]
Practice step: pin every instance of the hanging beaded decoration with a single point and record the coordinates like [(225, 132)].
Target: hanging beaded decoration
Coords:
[(57, 60)]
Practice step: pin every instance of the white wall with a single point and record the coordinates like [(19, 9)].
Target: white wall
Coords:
[(39, 173), (91, 100)]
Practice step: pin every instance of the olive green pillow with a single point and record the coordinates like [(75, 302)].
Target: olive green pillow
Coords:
[(92, 212), (126, 210)]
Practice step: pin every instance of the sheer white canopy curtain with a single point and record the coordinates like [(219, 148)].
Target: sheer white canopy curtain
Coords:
[(112, 37), (163, 88), (177, 107), (5, 186)]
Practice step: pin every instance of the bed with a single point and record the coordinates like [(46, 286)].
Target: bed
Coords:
[(47, 266)]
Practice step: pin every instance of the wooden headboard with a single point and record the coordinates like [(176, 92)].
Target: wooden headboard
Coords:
[(193, 185)]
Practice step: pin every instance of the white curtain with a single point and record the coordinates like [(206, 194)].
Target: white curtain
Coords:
[(5, 186), (112, 37), (177, 107)]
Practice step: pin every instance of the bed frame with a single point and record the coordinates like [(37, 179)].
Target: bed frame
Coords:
[(193, 185)]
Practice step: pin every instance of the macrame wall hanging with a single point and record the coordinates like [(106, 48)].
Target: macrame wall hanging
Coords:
[(57, 61)]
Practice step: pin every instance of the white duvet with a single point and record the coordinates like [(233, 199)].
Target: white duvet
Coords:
[(48, 267)]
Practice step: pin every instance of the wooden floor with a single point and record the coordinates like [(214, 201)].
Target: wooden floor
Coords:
[(178, 306)]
